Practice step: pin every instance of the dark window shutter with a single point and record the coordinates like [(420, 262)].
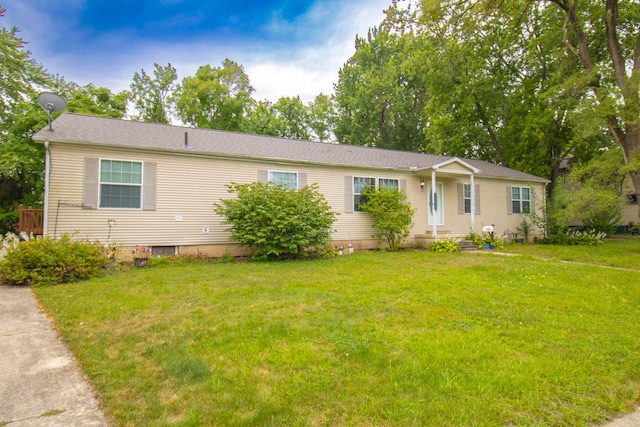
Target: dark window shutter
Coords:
[(348, 194), (90, 186), (149, 186)]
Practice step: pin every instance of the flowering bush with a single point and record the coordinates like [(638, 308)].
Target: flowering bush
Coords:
[(141, 252), (576, 237)]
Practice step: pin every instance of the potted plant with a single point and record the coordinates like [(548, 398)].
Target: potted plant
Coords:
[(140, 256)]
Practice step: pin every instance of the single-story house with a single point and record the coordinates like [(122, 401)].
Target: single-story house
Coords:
[(133, 183)]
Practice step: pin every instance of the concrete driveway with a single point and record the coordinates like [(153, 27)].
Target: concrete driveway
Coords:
[(40, 383)]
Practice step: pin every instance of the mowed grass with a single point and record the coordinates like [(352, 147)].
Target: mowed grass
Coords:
[(623, 253), (370, 339)]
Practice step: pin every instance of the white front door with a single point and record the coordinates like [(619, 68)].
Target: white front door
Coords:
[(436, 204)]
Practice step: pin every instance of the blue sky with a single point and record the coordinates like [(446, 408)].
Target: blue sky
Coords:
[(287, 47)]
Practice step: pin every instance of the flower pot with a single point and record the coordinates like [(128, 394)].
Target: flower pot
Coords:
[(140, 262)]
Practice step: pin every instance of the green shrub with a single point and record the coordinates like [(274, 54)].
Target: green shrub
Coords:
[(276, 222), (480, 240), (44, 261), (444, 246), (391, 213), (575, 238), (598, 208)]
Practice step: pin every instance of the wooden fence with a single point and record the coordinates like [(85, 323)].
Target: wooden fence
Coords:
[(30, 220)]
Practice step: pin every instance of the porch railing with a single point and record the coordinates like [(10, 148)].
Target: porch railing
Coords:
[(30, 220)]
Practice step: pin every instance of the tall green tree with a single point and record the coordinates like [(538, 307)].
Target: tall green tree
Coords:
[(261, 119), (92, 100), (322, 118), (603, 36), (493, 75), (289, 117), (21, 165), (153, 96), (292, 118), (19, 73), (379, 96), (215, 98)]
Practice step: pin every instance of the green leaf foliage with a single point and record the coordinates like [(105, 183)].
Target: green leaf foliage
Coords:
[(152, 97), (598, 208), (277, 222), (391, 213), (446, 246), (215, 98), (44, 261)]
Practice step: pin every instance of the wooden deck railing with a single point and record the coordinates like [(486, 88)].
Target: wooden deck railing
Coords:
[(30, 220)]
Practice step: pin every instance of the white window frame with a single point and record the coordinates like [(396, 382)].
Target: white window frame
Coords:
[(377, 182), (466, 189), (520, 202), (139, 185), (286, 184)]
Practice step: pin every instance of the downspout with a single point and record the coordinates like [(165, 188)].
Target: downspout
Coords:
[(434, 203), (473, 204), (47, 167)]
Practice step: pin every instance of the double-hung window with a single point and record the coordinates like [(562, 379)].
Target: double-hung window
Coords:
[(466, 198), (520, 200), (389, 183), (360, 184), (120, 184), (287, 179)]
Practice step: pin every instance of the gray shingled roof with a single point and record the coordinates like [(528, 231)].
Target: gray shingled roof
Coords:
[(82, 129)]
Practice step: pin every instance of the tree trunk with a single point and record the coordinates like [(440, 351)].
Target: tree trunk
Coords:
[(625, 134)]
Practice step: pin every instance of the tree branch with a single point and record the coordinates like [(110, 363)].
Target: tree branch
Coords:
[(613, 44)]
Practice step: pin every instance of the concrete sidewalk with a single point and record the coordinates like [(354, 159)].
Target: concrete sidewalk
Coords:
[(40, 384)]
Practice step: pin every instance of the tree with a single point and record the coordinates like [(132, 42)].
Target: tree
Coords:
[(599, 209), (604, 38), (391, 213), (215, 98), (19, 73), (277, 222), (152, 97), (379, 97), (21, 160), (89, 99), (261, 119), (322, 117), (493, 75), (291, 118)]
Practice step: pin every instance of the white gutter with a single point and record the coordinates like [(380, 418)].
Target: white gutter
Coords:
[(47, 167)]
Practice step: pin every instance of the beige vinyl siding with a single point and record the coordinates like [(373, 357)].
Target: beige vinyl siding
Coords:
[(455, 167), (495, 211), (187, 186)]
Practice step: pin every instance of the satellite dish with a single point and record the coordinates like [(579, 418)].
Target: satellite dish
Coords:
[(52, 103)]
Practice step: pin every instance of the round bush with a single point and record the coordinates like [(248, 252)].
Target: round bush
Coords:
[(43, 261)]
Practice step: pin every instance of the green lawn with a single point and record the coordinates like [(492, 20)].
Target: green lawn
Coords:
[(386, 339)]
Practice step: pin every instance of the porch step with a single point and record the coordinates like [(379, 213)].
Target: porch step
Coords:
[(467, 245)]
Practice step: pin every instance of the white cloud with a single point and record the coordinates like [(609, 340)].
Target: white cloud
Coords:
[(305, 62)]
